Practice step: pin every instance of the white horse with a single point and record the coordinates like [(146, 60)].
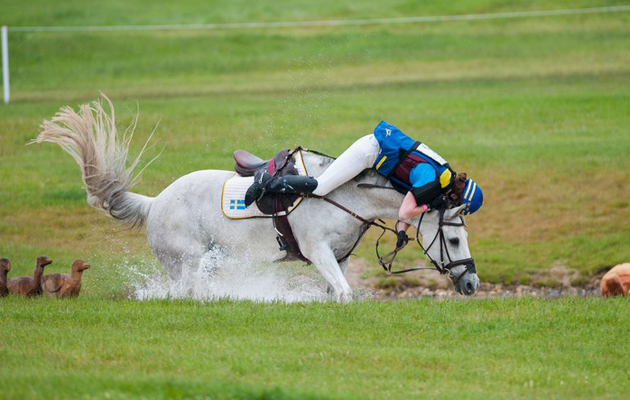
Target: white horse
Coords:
[(184, 222)]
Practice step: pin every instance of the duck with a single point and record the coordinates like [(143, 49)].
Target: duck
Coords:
[(27, 286), (616, 282), (5, 267), (60, 286)]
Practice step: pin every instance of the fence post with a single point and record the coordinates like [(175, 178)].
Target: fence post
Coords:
[(5, 63)]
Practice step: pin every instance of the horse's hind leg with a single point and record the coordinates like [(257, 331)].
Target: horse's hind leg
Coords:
[(325, 262), (178, 257), (213, 260), (178, 264)]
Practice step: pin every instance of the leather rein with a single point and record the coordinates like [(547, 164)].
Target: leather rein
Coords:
[(367, 224), (443, 268)]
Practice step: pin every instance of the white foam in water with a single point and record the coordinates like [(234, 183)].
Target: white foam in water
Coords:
[(235, 280)]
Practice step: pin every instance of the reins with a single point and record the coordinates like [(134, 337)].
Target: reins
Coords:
[(386, 261), (319, 153), (373, 186), (446, 269), (334, 203), (366, 223)]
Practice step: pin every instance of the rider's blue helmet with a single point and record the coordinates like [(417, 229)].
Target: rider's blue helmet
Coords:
[(472, 197)]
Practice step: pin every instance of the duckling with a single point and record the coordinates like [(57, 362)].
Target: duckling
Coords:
[(60, 286), (616, 282), (27, 286), (5, 267)]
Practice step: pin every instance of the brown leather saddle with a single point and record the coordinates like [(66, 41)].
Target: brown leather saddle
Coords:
[(247, 164), (282, 164)]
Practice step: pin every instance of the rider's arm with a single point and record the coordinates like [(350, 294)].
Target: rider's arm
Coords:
[(409, 209), (419, 176)]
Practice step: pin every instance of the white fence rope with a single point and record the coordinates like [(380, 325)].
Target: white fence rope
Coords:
[(401, 20)]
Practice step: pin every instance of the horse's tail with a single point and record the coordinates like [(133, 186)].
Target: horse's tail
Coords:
[(91, 138)]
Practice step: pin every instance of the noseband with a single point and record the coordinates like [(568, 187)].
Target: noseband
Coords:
[(443, 267)]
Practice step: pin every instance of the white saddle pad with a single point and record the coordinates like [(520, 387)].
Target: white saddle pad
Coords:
[(233, 196)]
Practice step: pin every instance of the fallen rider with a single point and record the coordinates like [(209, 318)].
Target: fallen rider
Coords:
[(415, 170)]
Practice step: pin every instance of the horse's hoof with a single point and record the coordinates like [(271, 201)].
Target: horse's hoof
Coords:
[(344, 298)]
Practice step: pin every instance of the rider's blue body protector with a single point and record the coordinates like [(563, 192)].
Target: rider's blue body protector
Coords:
[(399, 154)]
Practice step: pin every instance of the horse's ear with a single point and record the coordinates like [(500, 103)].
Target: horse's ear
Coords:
[(453, 212)]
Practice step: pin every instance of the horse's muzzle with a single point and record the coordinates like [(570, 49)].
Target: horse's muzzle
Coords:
[(468, 283)]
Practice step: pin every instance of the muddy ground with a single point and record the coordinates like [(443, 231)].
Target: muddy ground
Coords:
[(557, 281)]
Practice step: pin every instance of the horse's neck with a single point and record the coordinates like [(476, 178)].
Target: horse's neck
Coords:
[(370, 203)]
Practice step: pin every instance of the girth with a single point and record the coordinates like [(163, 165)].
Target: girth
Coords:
[(285, 237)]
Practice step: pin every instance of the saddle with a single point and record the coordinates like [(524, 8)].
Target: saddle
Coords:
[(247, 164), (282, 164)]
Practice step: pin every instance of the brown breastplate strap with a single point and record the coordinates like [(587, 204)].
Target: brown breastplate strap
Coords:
[(287, 240)]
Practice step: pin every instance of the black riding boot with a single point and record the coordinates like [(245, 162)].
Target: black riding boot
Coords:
[(265, 184)]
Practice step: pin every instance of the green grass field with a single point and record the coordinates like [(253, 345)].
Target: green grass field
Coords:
[(495, 349), (537, 110)]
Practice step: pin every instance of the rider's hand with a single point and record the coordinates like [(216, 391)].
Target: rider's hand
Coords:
[(403, 239)]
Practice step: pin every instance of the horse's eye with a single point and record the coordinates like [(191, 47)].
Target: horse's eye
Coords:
[(454, 241)]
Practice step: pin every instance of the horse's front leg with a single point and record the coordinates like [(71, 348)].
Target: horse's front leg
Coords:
[(343, 266), (326, 263)]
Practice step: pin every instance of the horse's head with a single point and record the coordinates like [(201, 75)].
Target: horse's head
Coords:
[(445, 240)]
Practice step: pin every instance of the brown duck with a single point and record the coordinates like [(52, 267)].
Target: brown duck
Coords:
[(27, 286), (5, 267), (60, 286)]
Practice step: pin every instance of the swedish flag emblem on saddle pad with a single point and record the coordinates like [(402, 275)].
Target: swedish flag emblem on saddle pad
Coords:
[(233, 196)]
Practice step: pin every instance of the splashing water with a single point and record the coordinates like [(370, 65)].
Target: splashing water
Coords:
[(215, 278)]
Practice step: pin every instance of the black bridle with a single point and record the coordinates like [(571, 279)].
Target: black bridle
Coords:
[(445, 265)]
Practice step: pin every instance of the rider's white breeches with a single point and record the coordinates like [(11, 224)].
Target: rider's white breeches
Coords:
[(358, 157)]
